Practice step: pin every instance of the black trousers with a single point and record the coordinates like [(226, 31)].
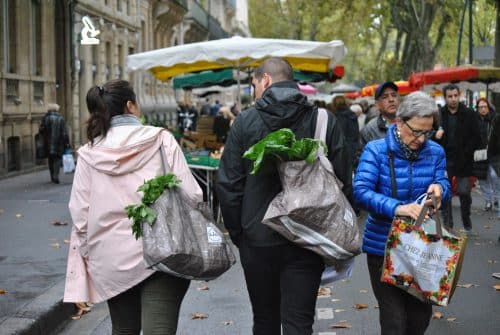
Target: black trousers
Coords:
[(399, 312), (464, 193), (54, 166), (282, 283)]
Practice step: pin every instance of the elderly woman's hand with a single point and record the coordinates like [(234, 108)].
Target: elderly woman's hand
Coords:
[(437, 191), (412, 210)]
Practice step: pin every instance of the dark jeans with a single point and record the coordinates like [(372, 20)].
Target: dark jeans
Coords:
[(54, 167), (399, 312), (283, 283), (464, 194), (152, 305)]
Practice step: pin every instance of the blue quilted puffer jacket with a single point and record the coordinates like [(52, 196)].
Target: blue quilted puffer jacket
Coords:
[(372, 184)]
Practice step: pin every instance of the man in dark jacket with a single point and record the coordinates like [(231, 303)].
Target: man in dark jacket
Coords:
[(53, 130), (459, 135), (282, 278)]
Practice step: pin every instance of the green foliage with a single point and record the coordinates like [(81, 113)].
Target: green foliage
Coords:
[(282, 144), (152, 189)]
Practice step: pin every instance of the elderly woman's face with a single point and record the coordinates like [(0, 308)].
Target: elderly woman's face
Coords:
[(415, 131)]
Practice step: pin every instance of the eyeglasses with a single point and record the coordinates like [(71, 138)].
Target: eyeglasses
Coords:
[(418, 133), (483, 106)]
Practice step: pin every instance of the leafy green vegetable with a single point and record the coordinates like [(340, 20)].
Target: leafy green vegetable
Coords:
[(282, 144), (152, 189)]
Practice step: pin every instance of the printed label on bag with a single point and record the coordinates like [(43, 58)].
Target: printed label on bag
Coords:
[(213, 236)]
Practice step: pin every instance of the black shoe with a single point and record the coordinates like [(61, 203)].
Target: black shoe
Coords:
[(55, 180)]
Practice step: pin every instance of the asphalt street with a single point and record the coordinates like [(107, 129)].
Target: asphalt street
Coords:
[(33, 251)]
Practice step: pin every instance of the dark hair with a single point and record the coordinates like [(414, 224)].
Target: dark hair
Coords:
[(339, 103), (104, 102), (490, 109), (279, 69), (450, 87)]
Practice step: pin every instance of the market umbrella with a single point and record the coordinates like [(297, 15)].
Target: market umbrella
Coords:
[(404, 88), (344, 88), (238, 53), (472, 78)]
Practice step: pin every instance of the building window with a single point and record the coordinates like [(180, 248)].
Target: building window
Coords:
[(143, 36), (121, 57), (36, 23), (10, 35), (127, 6), (108, 61), (12, 86), (119, 5), (38, 91)]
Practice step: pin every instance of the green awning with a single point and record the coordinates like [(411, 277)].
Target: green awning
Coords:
[(223, 77)]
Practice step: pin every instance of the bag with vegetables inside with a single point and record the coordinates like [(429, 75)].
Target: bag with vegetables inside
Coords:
[(178, 238), (311, 210)]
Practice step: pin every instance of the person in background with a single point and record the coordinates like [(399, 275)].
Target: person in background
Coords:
[(222, 123), (460, 137), (419, 167), (282, 278), (387, 102), (192, 115), (205, 108), (105, 261), (494, 161), (480, 168), (55, 135), (358, 111), (349, 123), (214, 109)]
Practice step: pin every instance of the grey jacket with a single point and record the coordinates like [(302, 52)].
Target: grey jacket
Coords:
[(374, 130)]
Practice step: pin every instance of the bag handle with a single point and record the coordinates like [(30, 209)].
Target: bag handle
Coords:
[(393, 175), (320, 131), (163, 160), (423, 212)]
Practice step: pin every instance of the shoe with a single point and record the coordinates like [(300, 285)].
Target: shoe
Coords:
[(55, 180), (488, 206)]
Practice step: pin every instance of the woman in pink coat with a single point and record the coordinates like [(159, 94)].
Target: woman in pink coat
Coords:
[(105, 261)]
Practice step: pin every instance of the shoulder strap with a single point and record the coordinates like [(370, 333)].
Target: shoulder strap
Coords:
[(393, 175), (321, 126)]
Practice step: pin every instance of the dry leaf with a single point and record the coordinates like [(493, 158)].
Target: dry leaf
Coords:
[(324, 291), (2, 291), (451, 319), (59, 223), (203, 288), (82, 308), (55, 245), (487, 227), (497, 287), (67, 241), (339, 310), (228, 323), (2, 210), (363, 291), (199, 316), (361, 306), (466, 285), (437, 315), (340, 325), (18, 215)]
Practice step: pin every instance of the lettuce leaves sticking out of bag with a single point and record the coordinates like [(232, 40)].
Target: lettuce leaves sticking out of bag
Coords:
[(282, 144), (151, 189)]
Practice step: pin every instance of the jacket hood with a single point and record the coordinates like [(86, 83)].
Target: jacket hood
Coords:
[(125, 149), (282, 105)]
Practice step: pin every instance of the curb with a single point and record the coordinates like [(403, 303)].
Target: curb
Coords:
[(41, 316)]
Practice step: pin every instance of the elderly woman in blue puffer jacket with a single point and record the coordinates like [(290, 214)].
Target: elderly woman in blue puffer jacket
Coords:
[(419, 166)]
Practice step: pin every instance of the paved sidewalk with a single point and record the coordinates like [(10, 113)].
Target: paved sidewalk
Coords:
[(33, 252)]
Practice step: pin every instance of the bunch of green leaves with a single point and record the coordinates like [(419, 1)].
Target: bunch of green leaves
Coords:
[(151, 189), (282, 144)]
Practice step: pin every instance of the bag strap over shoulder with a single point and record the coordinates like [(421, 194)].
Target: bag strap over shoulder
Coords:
[(321, 126), (163, 160)]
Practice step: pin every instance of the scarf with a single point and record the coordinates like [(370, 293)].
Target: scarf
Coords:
[(408, 153)]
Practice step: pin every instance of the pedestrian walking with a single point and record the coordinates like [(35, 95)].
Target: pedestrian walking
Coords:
[(481, 164), (459, 135), (387, 102), (392, 173), (55, 137), (282, 278), (105, 261)]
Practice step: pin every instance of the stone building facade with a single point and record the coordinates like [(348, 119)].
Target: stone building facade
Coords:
[(42, 59)]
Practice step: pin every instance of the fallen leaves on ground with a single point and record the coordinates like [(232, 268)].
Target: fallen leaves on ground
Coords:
[(82, 308), (363, 291), (497, 287), (67, 241), (466, 285), (341, 324), (339, 310), (335, 300), (451, 319), (437, 315), (361, 306), (2, 210), (487, 227), (19, 215), (55, 245), (203, 288), (2, 291), (324, 291), (59, 223), (198, 316), (228, 323)]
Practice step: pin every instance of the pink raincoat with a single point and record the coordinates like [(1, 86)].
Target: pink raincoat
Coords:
[(104, 258)]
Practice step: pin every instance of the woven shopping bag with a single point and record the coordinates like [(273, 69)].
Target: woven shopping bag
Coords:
[(423, 258)]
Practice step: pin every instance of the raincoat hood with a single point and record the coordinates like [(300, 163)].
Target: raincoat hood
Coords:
[(126, 148), (282, 107)]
